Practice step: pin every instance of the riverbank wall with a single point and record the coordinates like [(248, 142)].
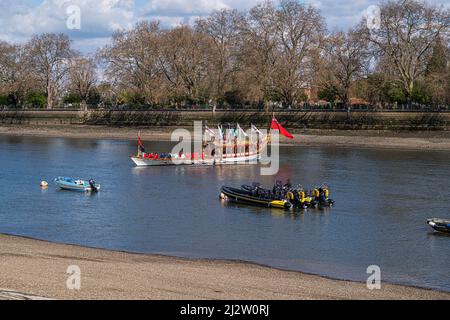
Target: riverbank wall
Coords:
[(358, 120)]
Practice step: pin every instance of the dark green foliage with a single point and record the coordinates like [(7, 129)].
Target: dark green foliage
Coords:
[(328, 94), (36, 100), (72, 97)]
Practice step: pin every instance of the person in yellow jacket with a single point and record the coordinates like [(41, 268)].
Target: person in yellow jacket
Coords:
[(326, 190), (302, 196), (305, 201), (315, 193), (290, 196)]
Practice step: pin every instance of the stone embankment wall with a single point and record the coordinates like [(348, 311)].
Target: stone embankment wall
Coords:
[(293, 119)]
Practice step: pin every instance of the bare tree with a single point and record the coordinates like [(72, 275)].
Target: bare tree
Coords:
[(8, 59), (259, 49), (132, 60), (408, 30), (222, 28), (281, 41), (344, 59), (16, 78), (437, 76), (185, 62), (299, 29), (49, 55), (83, 76)]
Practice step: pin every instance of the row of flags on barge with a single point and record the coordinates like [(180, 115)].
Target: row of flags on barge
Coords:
[(275, 125)]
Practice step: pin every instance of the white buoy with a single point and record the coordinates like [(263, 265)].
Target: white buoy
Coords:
[(44, 184)]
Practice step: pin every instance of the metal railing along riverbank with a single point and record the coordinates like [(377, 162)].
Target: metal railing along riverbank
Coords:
[(236, 110), (354, 120)]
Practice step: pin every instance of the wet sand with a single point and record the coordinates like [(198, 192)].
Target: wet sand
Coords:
[(33, 269), (430, 140)]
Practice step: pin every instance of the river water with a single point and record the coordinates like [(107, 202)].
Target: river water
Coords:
[(383, 198)]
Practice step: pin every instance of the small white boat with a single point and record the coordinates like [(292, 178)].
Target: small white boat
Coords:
[(77, 184)]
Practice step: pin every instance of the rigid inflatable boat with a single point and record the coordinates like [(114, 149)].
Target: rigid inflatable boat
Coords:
[(245, 196)]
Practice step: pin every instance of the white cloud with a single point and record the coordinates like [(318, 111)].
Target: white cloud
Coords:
[(175, 12), (179, 8), (21, 19), (18, 21), (342, 14), (99, 18)]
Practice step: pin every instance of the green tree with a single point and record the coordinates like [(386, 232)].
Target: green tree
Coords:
[(72, 97), (36, 99), (4, 100), (329, 94), (408, 30)]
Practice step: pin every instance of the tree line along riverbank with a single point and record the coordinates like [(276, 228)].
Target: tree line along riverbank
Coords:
[(296, 120)]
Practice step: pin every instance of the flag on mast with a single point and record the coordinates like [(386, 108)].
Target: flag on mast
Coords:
[(255, 129), (140, 145), (241, 130), (277, 126), (220, 133), (209, 131)]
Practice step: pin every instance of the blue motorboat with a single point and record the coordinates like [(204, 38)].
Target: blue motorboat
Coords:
[(77, 184)]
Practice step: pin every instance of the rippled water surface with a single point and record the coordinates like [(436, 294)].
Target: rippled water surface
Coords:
[(383, 198)]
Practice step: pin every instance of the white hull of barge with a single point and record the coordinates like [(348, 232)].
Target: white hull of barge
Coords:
[(142, 162)]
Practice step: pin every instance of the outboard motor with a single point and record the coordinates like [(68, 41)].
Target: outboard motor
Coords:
[(92, 184)]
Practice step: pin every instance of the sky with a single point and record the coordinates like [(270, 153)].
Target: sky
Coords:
[(20, 19)]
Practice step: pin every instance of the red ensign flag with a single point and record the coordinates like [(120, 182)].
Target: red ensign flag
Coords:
[(277, 126)]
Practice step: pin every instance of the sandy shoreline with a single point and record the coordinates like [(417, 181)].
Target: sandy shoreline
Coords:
[(431, 140), (33, 269)]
